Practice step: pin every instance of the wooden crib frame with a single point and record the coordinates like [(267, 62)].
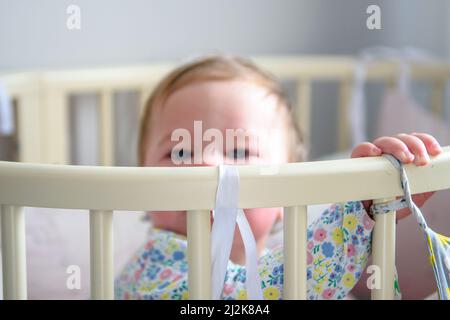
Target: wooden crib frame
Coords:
[(292, 186), (41, 99)]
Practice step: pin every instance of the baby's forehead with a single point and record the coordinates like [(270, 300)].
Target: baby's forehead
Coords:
[(221, 101)]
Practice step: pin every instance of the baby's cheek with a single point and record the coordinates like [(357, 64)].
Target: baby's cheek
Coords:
[(261, 220), (172, 221)]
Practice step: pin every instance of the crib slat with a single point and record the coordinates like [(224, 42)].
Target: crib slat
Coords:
[(345, 89), (144, 94), (55, 121), (199, 254), (102, 254), (295, 266), (29, 130), (14, 253), (437, 97), (391, 83), (303, 113), (383, 252), (106, 128)]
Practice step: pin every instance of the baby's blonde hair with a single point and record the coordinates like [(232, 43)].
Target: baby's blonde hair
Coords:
[(222, 68)]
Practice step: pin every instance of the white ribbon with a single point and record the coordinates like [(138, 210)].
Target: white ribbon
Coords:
[(356, 116), (226, 214), (6, 113)]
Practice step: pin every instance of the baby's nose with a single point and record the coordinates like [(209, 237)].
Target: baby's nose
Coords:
[(212, 159)]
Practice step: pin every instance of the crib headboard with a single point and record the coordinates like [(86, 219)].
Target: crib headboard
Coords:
[(293, 186), (44, 96)]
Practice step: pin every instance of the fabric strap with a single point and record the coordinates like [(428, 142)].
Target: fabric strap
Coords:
[(226, 214), (437, 244), (404, 202), (6, 113), (394, 205)]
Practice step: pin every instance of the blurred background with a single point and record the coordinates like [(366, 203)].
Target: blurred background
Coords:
[(113, 33), (34, 36)]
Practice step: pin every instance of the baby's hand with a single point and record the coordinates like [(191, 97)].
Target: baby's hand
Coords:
[(414, 147)]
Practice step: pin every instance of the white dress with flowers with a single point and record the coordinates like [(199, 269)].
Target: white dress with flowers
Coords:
[(339, 244)]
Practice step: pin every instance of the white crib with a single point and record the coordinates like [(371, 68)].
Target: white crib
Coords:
[(293, 186), (45, 179)]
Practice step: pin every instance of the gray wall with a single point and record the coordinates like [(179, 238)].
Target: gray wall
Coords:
[(33, 34)]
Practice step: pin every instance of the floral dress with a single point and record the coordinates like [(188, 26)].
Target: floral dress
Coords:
[(339, 244)]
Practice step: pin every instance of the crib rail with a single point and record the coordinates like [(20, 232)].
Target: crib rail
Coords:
[(171, 188), (44, 95), (294, 186)]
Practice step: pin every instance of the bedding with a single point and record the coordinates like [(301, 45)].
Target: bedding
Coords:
[(59, 238)]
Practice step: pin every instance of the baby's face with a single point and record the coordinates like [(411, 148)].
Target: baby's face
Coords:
[(221, 105)]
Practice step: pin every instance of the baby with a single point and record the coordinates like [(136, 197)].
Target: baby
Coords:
[(231, 93)]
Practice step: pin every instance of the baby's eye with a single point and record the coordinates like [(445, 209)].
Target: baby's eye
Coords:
[(238, 153), (180, 155)]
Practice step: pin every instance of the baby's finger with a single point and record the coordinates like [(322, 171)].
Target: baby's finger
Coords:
[(365, 149), (395, 147), (417, 147), (432, 145)]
